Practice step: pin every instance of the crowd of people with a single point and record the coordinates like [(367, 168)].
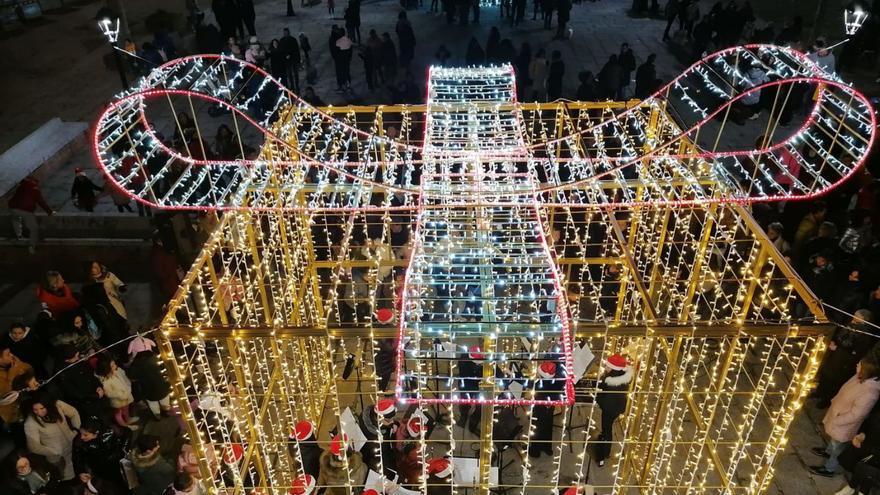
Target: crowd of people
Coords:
[(76, 387)]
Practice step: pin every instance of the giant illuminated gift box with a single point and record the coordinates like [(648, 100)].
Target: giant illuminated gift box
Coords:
[(389, 251)]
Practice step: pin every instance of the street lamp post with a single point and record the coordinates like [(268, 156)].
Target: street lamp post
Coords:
[(110, 29)]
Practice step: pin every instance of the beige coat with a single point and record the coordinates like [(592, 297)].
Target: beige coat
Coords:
[(117, 388), (111, 287), (850, 407), (334, 476), (54, 440)]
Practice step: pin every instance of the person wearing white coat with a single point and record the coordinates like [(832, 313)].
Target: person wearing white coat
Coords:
[(50, 428), (117, 389)]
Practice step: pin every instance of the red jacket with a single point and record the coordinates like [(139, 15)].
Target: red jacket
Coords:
[(58, 304), (28, 196)]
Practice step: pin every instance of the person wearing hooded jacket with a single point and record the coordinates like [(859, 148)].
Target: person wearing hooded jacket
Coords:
[(848, 410), (146, 377), (334, 476), (379, 419), (612, 399), (154, 473), (304, 450)]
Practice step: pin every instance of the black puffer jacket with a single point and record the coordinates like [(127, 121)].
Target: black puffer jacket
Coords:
[(612, 397)]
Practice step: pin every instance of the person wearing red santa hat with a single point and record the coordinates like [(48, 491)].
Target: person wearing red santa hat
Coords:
[(548, 386), (577, 490), (384, 316), (302, 445), (612, 399), (470, 373), (439, 480), (334, 476), (303, 485), (378, 420)]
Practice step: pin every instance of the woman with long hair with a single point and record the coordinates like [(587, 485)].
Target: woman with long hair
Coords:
[(50, 428)]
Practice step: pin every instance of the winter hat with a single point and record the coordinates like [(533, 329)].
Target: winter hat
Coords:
[(572, 490), (475, 353), (547, 369), (439, 467), (233, 453), (369, 491), (386, 408), (337, 445), (303, 485), (254, 40), (414, 426), (384, 316), (616, 362), (302, 431)]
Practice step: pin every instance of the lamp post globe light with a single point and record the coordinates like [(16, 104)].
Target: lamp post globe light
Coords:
[(854, 16), (108, 23)]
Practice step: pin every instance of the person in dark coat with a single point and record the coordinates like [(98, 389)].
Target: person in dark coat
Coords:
[(30, 474), (845, 350), (673, 8), (548, 6), (646, 78), (587, 89), (406, 39), (563, 15), (470, 374), (389, 59), (290, 48), (79, 385), (610, 78), (375, 420), (28, 346), (83, 191), (148, 383), (627, 61), (228, 17), (97, 451), (353, 20), (550, 383), (612, 399), (492, 43), (475, 54), (554, 76), (303, 448), (248, 16)]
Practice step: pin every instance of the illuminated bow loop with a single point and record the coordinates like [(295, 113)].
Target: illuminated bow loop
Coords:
[(315, 149), (703, 156)]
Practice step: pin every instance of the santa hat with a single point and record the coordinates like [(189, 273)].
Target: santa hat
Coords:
[(475, 353), (616, 362), (369, 491), (304, 485), (386, 407), (337, 445), (414, 426), (572, 490), (233, 453), (302, 431), (439, 467), (547, 369), (384, 316)]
